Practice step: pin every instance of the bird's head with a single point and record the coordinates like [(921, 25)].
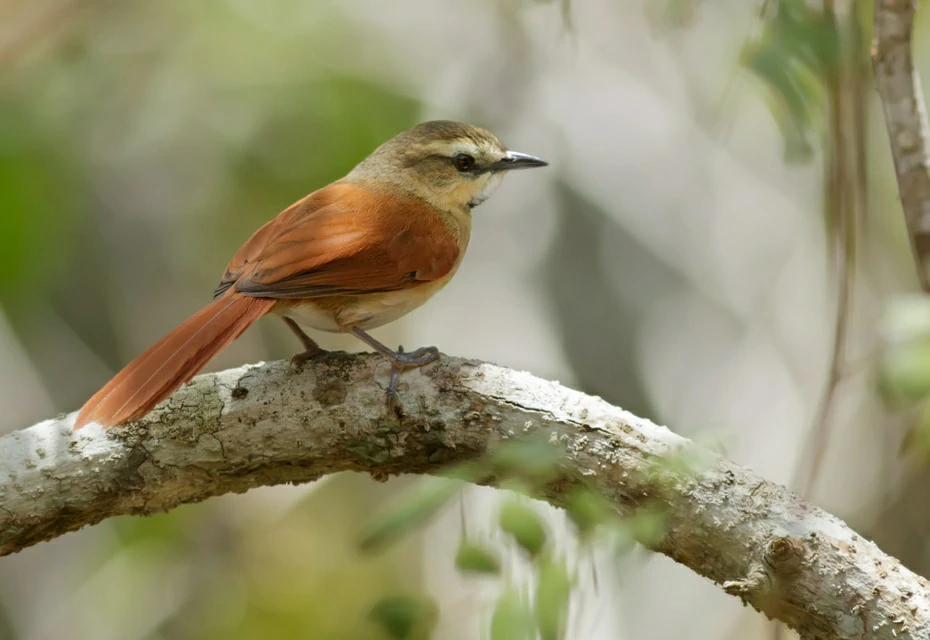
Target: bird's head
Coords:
[(448, 164)]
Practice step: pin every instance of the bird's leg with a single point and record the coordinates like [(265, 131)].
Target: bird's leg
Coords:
[(400, 361), (311, 348)]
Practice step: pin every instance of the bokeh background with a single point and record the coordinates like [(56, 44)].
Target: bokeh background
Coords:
[(720, 202)]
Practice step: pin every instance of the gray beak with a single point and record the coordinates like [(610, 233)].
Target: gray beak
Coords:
[(516, 160)]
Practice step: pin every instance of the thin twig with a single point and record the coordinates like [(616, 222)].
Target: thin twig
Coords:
[(842, 206)]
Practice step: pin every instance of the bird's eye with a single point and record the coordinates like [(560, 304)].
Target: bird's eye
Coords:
[(463, 162)]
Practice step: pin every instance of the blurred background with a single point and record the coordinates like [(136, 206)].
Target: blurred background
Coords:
[(713, 247)]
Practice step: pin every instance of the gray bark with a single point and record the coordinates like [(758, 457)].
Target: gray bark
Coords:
[(906, 120)]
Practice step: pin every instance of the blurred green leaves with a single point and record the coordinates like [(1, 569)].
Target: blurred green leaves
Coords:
[(38, 204), (312, 134), (904, 369), (406, 617), (587, 509), (410, 511), (477, 558), (319, 130), (552, 599), (522, 522), (531, 460), (905, 365), (534, 603), (526, 464), (796, 50), (671, 14), (512, 618)]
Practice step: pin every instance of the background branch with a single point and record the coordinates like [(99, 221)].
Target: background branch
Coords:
[(906, 119), (271, 424)]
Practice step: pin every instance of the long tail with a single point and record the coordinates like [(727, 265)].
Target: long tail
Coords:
[(173, 360)]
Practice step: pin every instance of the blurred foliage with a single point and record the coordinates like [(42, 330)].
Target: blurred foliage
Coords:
[(538, 606), (291, 577), (553, 592), (477, 558), (314, 134), (798, 47), (671, 14), (512, 618), (904, 368), (587, 510), (406, 617), (905, 365), (39, 183), (416, 508), (522, 522)]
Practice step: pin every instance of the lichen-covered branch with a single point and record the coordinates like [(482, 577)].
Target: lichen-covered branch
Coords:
[(271, 423), (906, 119)]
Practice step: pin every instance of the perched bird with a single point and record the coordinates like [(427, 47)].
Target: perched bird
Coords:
[(355, 255)]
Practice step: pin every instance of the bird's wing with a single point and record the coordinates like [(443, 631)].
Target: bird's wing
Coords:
[(344, 239)]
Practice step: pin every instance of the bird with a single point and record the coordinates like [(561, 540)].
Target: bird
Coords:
[(350, 257)]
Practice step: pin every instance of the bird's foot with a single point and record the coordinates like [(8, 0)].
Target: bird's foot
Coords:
[(311, 348), (401, 361), (309, 354)]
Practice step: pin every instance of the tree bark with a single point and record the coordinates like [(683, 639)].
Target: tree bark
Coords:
[(272, 423), (906, 120)]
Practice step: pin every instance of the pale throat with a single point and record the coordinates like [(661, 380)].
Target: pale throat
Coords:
[(488, 184)]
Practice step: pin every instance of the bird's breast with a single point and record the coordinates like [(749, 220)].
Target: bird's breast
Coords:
[(337, 314)]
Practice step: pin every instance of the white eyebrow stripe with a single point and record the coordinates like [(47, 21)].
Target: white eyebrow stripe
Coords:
[(458, 146)]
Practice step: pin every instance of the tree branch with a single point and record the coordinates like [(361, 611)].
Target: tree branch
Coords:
[(906, 119), (271, 424)]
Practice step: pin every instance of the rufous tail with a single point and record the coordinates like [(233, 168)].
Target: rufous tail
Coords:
[(173, 360)]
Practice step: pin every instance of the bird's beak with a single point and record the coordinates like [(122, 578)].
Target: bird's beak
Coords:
[(516, 160)]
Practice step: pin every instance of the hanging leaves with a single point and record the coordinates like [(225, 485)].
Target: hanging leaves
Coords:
[(797, 48)]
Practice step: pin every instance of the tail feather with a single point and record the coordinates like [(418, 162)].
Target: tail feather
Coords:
[(172, 361)]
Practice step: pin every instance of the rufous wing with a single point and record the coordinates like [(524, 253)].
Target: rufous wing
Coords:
[(344, 239)]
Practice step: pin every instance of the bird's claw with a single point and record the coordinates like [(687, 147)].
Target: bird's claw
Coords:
[(403, 361), (309, 354)]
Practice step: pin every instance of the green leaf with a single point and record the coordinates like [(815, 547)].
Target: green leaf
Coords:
[(906, 319), (512, 618), (587, 510), (906, 372), (685, 463), (905, 365), (477, 559), (410, 511), (524, 524), (532, 458), (406, 617), (648, 525), (806, 34), (797, 50), (552, 599), (794, 98), (916, 441)]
